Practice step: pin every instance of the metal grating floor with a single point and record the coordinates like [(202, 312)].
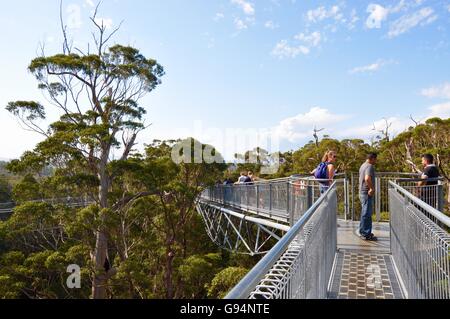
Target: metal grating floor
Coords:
[(364, 276), (364, 270)]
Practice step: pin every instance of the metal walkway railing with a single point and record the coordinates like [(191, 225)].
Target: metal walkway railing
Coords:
[(6, 209), (300, 265), (284, 200), (420, 244), (301, 261)]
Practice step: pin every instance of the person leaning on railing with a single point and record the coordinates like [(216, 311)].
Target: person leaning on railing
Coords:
[(326, 171), (430, 176), (251, 178), (243, 179)]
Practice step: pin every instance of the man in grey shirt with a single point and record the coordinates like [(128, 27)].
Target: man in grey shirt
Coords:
[(366, 195)]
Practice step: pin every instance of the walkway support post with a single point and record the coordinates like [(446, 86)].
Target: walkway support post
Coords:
[(441, 199)]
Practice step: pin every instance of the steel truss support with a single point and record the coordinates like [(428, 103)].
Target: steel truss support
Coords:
[(239, 232)]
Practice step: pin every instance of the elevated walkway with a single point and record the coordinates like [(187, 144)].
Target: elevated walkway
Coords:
[(314, 252), (7, 209)]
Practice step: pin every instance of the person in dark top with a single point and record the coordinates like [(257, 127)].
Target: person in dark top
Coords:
[(430, 171), (228, 189), (250, 178), (243, 178), (430, 176), (228, 182)]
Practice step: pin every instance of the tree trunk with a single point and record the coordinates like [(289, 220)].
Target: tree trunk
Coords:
[(169, 273), (101, 245), (448, 194)]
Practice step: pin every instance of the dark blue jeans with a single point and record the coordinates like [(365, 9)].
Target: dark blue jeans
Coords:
[(367, 203)]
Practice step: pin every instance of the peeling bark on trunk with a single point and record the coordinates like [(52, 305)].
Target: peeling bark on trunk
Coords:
[(101, 247)]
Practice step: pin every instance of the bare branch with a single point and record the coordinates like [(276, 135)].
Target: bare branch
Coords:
[(66, 47)]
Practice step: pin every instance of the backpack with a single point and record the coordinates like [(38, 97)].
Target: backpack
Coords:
[(322, 171)]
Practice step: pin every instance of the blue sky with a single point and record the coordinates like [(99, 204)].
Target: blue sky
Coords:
[(275, 68)]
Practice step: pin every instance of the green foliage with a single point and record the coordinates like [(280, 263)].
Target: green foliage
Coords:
[(5, 190), (431, 137), (197, 272), (27, 190), (224, 281), (351, 154), (28, 109)]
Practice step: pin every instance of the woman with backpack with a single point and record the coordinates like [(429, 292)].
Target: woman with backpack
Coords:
[(326, 171)]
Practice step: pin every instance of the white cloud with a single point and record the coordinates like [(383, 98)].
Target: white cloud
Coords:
[(74, 20), (377, 15), (312, 40), (404, 5), (353, 19), (370, 68), (306, 41), (271, 25), (405, 23), (240, 24), (439, 91), (284, 50), (440, 110), (370, 130), (332, 17), (321, 13), (246, 6), (219, 16), (301, 126), (90, 3), (106, 22)]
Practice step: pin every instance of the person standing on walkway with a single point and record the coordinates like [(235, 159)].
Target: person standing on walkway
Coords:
[(227, 187), (429, 185), (326, 171), (366, 195)]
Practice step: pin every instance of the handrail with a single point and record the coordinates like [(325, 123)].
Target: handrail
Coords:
[(444, 219), (338, 179), (397, 173), (413, 180), (254, 277), (7, 203)]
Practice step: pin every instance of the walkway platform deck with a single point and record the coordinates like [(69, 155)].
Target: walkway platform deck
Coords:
[(364, 270)]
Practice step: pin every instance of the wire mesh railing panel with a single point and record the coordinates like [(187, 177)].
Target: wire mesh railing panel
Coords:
[(300, 265), (431, 192), (285, 199), (382, 180), (420, 246)]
